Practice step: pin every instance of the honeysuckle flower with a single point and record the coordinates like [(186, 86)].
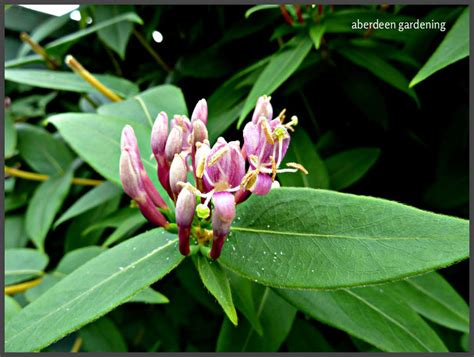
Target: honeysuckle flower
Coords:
[(136, 183), (221, 178), (185, 206)]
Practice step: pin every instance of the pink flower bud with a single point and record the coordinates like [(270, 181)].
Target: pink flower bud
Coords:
[(159, 134), (185, 206), (223, 215), (184, 123), (174, 143), (200, 111), (199, 133), (129, 147), (263, 108), (178, 172)]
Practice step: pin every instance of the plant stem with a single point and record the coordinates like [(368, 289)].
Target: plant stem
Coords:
[(151, 51), (36, 47), (76, 345), (89, 78), (19, 288), (40, 177)]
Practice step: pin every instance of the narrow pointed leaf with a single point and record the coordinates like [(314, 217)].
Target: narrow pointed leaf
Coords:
[(370, 314), (11, 308), (10, 135), (321, 239), (23, 264), (91, 199), (454, 47), (93, 290), (149, 296), (216, 281), (103, 336), (115, 36)]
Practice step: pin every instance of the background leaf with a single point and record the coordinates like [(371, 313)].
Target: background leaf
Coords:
[(10, 136), (102, 336), (23, 264)]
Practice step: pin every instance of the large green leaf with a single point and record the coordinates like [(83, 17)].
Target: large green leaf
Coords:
[(68, 81), (59, 46), (94, 289), (378, 67), (216, 281), (370, 314), (11, 308), (44, 205), (433, 297), (43, 152), (117, 35), (79, 130), (276, 316), (347, 167), (10, 136), (454, 47), (320, 239), (23, 264), (303, 151), (102, 336), (91, 199), (15, 233), (145, 107), (281, 66)]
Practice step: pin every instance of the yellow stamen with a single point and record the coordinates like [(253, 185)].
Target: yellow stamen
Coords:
[(267, 131), (249, 179), (297, 166), (274, 168), (282, 116), (218, 155)]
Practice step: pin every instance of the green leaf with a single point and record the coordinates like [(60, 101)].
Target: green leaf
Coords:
[(102, 336), (144, 110), (316, 32), (281, 66), (15, 234), (324, 239), (11, 308), (303, 151), (465, 342), (117, 35), (44, 205), (61, 45), (242, 292), (276, 316), (378, 67), (15, 200), (454, 47), (304, 337), (93, 290), (256, 8), (348, 167), (216, 281), (434, 298), (23, 264), (129, 225), (149, 296), (43, 152), (44, 30), (114, 220), (370, 314), (10, 136), (91, 199), (68, 81)]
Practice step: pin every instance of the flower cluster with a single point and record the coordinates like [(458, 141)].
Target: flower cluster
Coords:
[(222, 178)]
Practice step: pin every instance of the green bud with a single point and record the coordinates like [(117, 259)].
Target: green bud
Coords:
[(202, 211)]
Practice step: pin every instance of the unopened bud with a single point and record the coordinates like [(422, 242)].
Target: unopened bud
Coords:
[(184, 218), (224, 213), (174, 143), (159, 134), (199, 133), (200, 111), (178, 171)]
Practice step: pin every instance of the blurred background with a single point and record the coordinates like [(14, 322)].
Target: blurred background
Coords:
[(362, 129)]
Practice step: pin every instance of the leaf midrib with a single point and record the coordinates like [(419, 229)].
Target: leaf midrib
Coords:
[(122, 271), (395, 322), (319, 235)]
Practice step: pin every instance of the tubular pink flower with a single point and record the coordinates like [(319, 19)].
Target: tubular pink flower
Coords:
[(224, 213), (185, 206), (181, 121), (263, 108)]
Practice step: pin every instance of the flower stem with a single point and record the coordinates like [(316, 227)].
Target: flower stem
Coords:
[(36, 47), (77, 345), (151, 51), (19, 288), (40, 177), (89, 78)]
